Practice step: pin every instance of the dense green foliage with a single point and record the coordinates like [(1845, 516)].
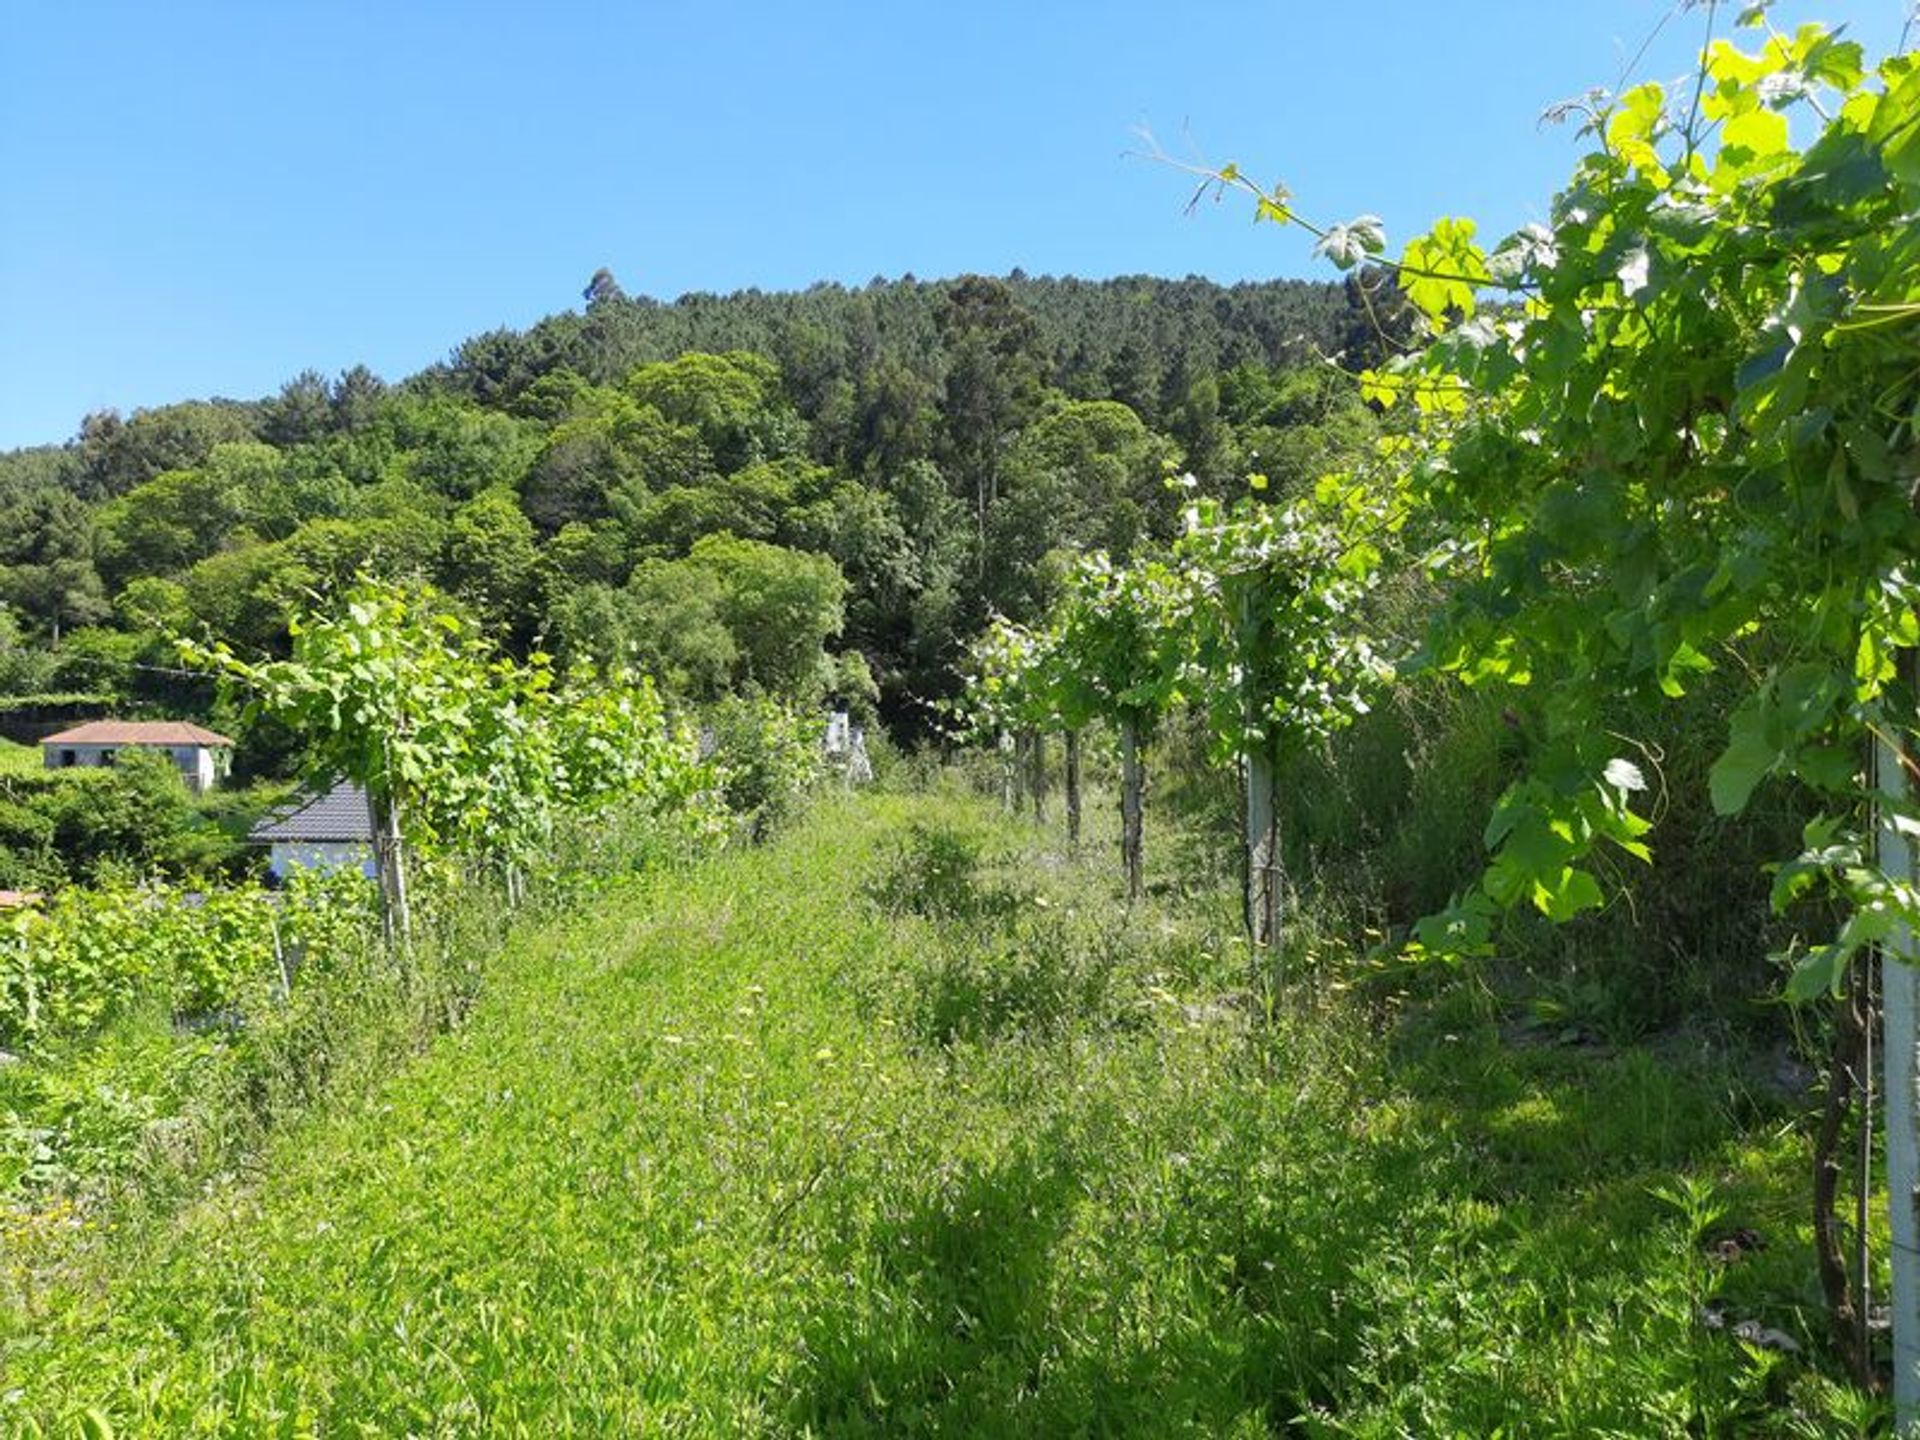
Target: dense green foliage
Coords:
[(135, 818), (1693, 442), (148, 1032), (928, 447), (476, 768), (1682, 436), (69, 966), (460, 750)]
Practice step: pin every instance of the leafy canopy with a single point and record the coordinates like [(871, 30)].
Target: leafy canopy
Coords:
[(1674, 425)]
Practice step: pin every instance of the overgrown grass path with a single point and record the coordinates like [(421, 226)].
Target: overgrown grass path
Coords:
[(582, 1209), (746, 1150)]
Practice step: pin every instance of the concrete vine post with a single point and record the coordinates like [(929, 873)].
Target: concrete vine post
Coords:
[(1900, 1057), (390, 860), (1262, 850)]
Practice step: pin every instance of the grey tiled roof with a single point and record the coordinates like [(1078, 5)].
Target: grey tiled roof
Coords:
[(341, 814)]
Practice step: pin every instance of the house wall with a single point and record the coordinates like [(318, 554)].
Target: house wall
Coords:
[(198, 764), (287, 856)]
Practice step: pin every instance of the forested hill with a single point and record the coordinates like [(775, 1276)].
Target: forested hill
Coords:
[(880, 468), (1138, 339)]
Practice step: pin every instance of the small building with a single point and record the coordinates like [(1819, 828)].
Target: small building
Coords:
[(202, 755), (329, 831), (845, 744)]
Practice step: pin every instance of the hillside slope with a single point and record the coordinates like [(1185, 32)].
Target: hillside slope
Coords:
[(878, 1130)]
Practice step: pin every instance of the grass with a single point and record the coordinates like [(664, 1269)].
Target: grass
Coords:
[(904, 1125)]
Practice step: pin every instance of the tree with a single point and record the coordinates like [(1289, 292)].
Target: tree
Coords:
[(861, 529), (125, 815), (46, 561), (459, 450), (609, 452), (583, 554), (163, 526), (1293, 426), (24, 668), (781, 606), (732, 402), (994, 368), (602, 288), (498, 367), (355, 399), (896, 417), (1200, 430), (754, 503), (116, 454), (406, 546), (242, 597), (492, 562), (665, 622), (734, 614), (301, 413), (1086, 475)]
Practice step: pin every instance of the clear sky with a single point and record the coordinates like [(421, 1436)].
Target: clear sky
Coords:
[(204, 199)]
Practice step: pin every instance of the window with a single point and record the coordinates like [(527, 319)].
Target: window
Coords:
[(67, 758)]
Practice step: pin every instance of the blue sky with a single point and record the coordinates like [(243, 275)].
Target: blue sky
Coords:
[(208, 198)]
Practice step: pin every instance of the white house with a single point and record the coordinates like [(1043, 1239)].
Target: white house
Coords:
[(330, 831), (201, 754)]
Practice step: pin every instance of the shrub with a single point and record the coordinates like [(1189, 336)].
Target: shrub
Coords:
[(69, 967), (770, 757), (936, 871)]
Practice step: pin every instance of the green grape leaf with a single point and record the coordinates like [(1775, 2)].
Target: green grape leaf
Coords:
[(1746, 761)]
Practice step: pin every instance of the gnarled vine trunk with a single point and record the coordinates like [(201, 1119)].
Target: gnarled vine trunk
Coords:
[(1005, 747), (1133, 786), (1848, 1079)]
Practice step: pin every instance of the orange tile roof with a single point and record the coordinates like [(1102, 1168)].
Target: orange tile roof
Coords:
[(137, 732)]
